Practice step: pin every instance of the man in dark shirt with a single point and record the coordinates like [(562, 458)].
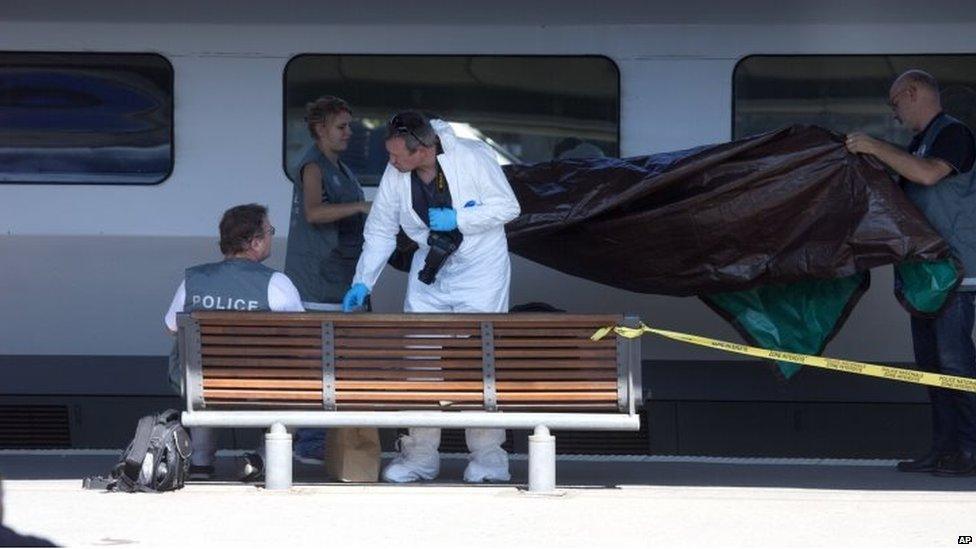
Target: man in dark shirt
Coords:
[(937, 176)]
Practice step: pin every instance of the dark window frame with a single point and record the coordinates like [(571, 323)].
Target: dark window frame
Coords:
[(171, 104), (741, 60), (288, 64)]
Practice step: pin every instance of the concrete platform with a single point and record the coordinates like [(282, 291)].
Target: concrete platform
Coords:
[(660, 501)]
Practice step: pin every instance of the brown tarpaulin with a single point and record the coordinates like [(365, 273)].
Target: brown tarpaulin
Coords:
[(780, 207)]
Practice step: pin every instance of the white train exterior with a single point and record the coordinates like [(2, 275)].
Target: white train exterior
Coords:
[(86, 271)]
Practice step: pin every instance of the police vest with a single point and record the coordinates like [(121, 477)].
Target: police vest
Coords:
[(950, 206), (321, 258), (230, 285)]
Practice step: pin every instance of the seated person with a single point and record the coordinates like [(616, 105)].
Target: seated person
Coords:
[(239, 283)]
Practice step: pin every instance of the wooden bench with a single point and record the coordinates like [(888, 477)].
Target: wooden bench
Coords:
[(518, 371)]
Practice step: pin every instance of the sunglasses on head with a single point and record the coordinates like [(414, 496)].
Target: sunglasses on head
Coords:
[(399, 126)]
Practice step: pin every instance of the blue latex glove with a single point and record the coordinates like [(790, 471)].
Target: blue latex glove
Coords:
[(442, 219), (355, 297)]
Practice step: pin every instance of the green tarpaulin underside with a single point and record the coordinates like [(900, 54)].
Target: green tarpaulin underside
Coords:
[(924, 285), (803, 317)]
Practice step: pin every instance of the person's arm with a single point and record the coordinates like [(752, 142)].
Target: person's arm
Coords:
[(924, 171), (176, 306), (498, 204), (379, 234), (317, 211), (283, 295)]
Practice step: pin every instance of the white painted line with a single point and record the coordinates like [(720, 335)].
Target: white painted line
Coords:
[(717, 460)]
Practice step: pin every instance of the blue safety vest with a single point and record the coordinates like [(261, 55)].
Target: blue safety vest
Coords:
[(949, 205), (321, 258)]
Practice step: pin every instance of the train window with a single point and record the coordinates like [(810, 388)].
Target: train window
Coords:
[(841, 92), (85, 118), (527, 108)]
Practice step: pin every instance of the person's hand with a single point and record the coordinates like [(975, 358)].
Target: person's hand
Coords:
[(861, 143), (364, 207), (442, 219), (355, 297)]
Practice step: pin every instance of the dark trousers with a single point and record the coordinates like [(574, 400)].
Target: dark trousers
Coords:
[(945, 345)]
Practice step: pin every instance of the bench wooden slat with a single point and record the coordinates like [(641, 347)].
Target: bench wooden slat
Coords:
[(418, 323), (405, 343), (345, 396), (394, 363), (260, 331), (223, 403), (529, 343), (256, 319), (553, 396), (262, 395), (262, 362), (401, 332), (350, 373), (256, 341), (555, 324), (296, 373), (476, 353), (523, 363), (595, 375), (609, 354), (397, 396), (502, 332), (381, 387), (559, 407), (237, 404), (407, 405), (532, 343), (387, 385), (400, 363), (402, 353), (264, 383), (556, 386), (419, 327), (214, 350), (383, 372), (347, 373)]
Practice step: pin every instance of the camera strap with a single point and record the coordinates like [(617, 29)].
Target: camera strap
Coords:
[(441, 197)]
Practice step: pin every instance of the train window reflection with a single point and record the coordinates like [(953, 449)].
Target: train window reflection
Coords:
[(85, 118), (527, 108), (842, 92)]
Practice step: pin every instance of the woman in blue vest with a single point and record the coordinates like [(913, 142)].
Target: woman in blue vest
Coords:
[(325, 236), (328, 210)]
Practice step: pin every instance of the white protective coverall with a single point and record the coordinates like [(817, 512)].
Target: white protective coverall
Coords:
[(474, 279)]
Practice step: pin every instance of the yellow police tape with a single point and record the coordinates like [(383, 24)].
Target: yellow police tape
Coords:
[(874, 370)]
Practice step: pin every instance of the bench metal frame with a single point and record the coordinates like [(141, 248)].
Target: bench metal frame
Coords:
[(542, 451)]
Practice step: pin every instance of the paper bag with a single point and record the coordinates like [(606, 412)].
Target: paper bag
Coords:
[(352, 454)]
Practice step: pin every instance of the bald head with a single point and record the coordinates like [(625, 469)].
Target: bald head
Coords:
[(918, 78), (914, 98)]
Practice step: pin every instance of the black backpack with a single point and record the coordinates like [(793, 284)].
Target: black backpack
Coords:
[(157, 459)]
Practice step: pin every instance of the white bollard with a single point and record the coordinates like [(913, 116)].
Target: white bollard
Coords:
[(277, 450), (542, 461)]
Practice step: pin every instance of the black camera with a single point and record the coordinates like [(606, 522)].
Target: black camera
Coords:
[(442, 245)]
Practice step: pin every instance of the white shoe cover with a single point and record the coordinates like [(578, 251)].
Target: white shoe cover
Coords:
[(418, 458), (488, 461)]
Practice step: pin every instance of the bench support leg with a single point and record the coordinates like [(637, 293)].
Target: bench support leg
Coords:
[(542, 461), (277, 448)]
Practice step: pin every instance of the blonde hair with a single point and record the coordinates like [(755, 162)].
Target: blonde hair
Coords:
[(322, 110)]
